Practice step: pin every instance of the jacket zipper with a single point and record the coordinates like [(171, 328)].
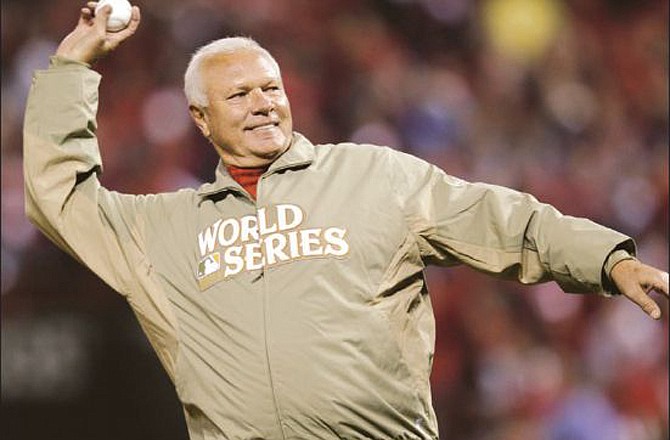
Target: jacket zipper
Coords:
[(266, 313)]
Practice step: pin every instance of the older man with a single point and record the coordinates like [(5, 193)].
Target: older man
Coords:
[(286, 300)]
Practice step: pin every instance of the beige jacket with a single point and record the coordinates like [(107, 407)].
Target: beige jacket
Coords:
[(304, 314)]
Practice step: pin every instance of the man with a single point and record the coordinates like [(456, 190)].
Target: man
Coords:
[(286, 300)]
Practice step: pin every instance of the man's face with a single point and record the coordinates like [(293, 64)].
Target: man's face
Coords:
[(248, 117)]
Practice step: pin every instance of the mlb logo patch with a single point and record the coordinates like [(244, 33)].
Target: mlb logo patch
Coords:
[(209, 270), (208, 265)]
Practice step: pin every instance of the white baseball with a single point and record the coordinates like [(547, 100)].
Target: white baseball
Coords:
[(120, 16)]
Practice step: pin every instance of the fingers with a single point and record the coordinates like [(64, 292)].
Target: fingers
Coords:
[(86, 14), (135, 18), (654, 279), (101, 17), (636, 280), (662, 283), (651, 279), (117, 38), (638, 295)]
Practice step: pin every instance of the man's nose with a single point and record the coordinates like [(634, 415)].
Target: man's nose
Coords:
[(261, 102)]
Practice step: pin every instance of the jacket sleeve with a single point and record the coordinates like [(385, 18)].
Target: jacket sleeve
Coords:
[(501, 231), (64, 199)]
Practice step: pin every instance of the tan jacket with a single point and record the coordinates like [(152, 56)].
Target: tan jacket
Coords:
[(304, 314)]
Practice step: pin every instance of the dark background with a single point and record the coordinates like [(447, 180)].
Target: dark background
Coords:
[(567, 100)]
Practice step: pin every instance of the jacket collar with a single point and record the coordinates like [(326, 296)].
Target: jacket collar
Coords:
[(299, 154)]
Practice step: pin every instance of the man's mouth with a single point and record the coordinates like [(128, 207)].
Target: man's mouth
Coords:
[(264, 126)]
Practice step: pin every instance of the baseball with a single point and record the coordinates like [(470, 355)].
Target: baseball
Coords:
[(120, 16)]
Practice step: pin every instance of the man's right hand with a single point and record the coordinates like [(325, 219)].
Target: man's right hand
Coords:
[(90, 40)]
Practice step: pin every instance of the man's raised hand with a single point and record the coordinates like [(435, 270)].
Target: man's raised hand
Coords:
[(636, 280), (90, 40)]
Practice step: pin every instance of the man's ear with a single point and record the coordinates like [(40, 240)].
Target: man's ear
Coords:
[(200, 119)]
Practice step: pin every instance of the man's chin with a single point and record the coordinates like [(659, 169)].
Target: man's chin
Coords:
[(271, 148), (261, 155)]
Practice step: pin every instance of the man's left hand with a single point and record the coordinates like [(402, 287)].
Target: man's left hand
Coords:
[(636, 280)]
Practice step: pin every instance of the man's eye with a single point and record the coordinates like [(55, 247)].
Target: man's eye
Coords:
[(237, 95), (271, 88)]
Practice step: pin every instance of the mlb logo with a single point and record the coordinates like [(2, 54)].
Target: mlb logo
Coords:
[(209, 265)]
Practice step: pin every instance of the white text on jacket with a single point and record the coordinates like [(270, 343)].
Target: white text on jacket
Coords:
[(268, 238)]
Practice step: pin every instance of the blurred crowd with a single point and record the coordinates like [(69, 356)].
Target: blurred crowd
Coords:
[(567, 100)]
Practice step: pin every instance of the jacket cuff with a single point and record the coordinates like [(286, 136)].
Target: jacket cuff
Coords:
[(57, 61), (615, 257)]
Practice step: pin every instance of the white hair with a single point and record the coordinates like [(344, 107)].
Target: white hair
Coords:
[(193, 86)]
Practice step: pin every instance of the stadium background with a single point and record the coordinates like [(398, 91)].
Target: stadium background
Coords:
[(567, 100)]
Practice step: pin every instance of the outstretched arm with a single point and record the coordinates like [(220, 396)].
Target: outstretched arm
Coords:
[(636, 280), (90, 41), (512, 235)]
